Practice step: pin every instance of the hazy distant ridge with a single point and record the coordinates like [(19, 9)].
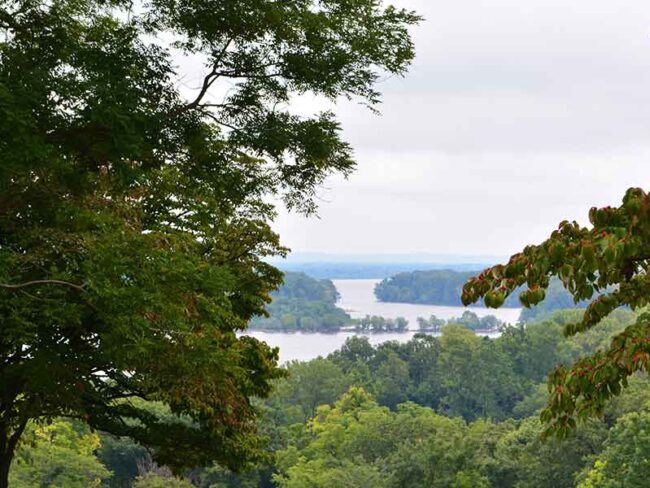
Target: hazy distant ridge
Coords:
[(348, 270)]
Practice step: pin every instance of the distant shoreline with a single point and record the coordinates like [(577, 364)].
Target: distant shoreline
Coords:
[(363, 332)]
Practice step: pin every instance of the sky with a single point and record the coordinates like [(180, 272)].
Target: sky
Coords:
[(515, 115)]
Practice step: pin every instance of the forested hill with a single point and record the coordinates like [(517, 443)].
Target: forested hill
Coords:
[(443, 287), (303, 303)]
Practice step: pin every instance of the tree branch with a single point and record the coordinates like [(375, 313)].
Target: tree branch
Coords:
[(18, 286), (15, 437), (209, 79), (220, 122)]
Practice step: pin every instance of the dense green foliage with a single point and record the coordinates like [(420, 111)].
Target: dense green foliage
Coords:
[(59, 454), (609, 260), (134, 223), (453, 411), (303, 303), (624, 461), (473, 420), (356, 443), (444, 287)]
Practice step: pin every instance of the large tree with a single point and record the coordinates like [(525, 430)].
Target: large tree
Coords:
[(607, 263), (134, 212)]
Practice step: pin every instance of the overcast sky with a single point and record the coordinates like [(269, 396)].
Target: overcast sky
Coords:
[(514, 116)]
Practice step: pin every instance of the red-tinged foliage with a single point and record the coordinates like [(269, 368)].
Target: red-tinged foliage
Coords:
[(610, 259)]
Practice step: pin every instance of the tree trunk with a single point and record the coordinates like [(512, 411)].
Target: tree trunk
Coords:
[(8, 442), (5, 464)]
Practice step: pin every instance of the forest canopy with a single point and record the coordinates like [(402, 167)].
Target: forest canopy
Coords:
[(451, 411)]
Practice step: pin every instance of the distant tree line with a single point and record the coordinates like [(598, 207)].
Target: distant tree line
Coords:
[(364, 270), (468, 319), (444, 287), (380, 324)]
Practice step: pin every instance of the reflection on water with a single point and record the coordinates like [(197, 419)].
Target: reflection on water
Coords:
[(358, 299)]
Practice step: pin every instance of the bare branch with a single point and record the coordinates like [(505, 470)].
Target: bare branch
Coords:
[(18, 286), (254, 76), (209, 79), (220, 122)]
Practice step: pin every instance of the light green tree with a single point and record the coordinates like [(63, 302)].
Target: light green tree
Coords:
[(625, 461), (59, 454)]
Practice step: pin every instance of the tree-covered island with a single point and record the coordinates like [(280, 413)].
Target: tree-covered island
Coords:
[(303, 304), (444, 287)]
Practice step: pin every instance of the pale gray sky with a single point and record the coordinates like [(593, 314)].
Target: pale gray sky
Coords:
[(516, 115)]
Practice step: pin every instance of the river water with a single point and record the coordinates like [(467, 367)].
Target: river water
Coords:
[(358, 299)]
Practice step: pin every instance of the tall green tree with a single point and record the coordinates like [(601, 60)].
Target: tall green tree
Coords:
[(134, 221), (606, 263)]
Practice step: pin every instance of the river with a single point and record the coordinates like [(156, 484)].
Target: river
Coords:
[(358, 299)]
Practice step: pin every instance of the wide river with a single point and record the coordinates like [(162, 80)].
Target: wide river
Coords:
[(358, 299)]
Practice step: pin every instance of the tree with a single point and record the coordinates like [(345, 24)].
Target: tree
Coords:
[(134, 222), (309, 384), (123, 458), (153, 480), (358, 443), (624, 461), (526, 461), (58, 454), (391, 381), (610, 259)]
